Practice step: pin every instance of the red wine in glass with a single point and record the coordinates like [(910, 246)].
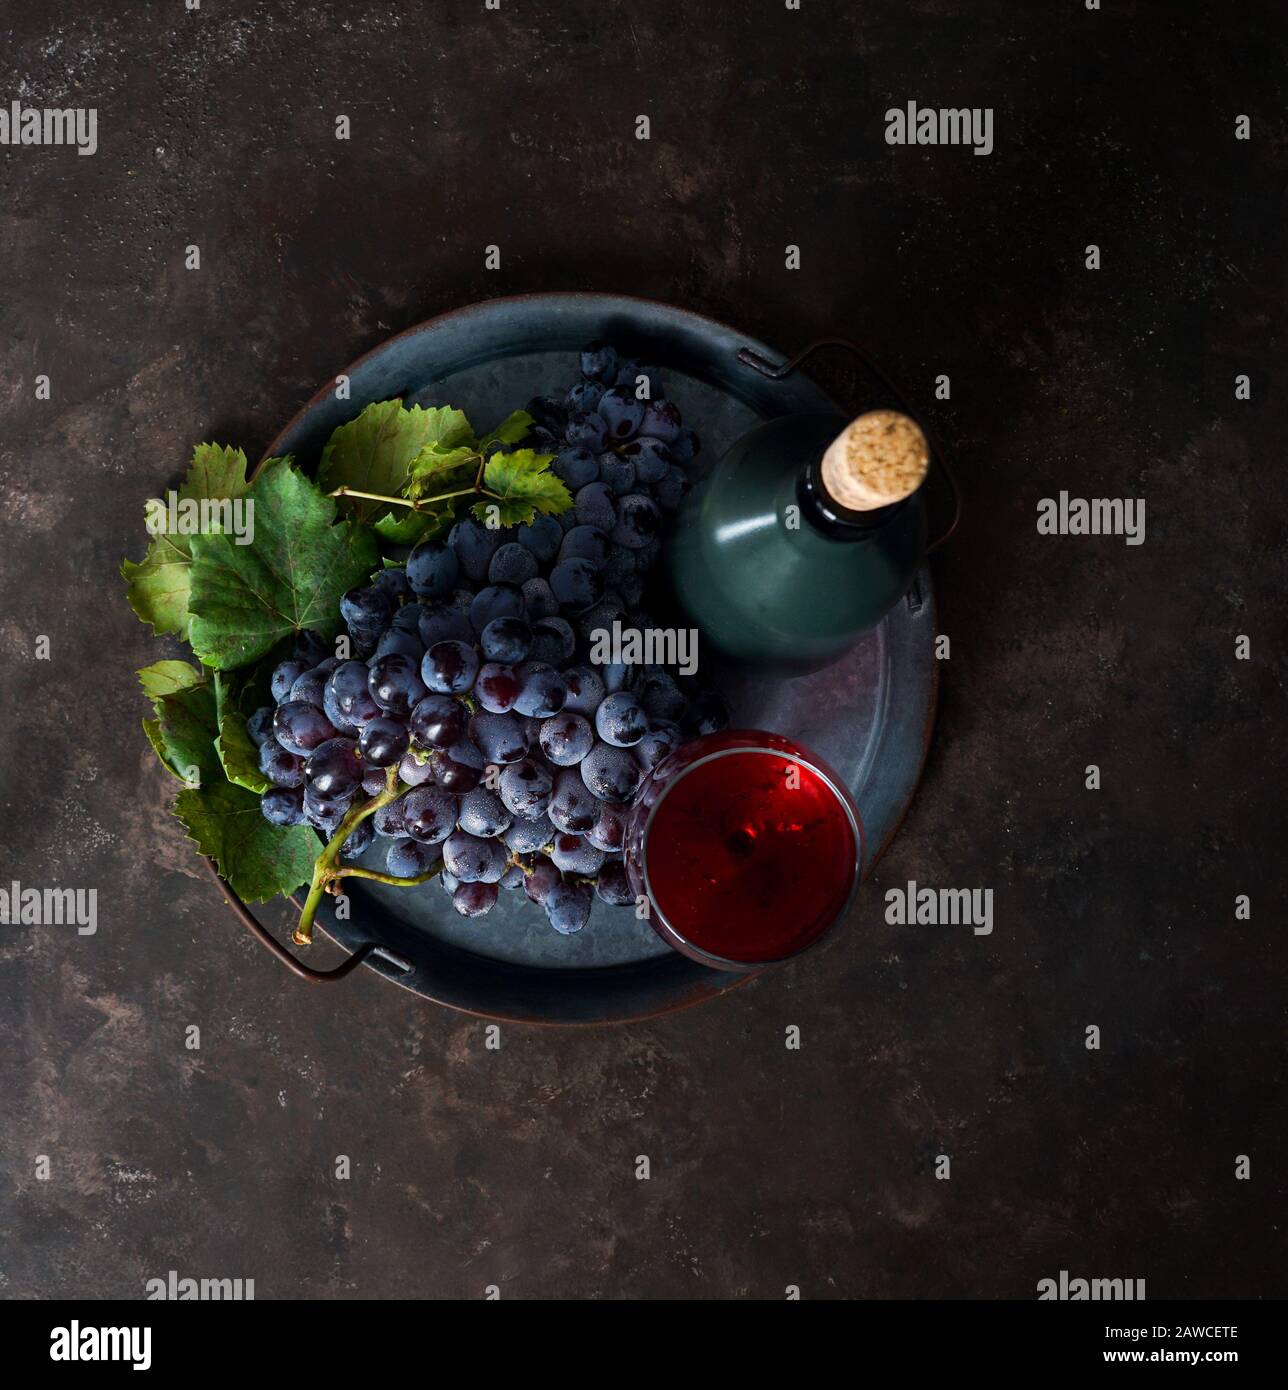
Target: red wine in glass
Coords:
[(747, 846)]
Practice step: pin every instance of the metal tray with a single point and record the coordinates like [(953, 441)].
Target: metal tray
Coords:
[(869, 715)]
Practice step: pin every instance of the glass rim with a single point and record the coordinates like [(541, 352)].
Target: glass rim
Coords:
[(840, 794)]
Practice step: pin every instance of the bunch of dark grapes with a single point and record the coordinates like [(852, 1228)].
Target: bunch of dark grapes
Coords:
[(470, 674)]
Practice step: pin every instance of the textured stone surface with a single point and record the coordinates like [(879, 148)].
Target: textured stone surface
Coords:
[(1113, 908)]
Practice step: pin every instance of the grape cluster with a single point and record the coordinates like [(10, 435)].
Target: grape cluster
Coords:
[(470, 675)]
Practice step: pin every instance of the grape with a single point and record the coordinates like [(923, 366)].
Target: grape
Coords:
[(547, 412), (512, 564), (684, 447), (540, 537), (482, 813), (622, 413), (449, 881), (334, 768), (576, 466), (347, 686), (541, 878), (599, 362), (654, 746), (566, 739), (593, 506), (617, 474), (390, 821), (408, 859), (513, 877), (495, 687), (309, 688), (399, 640), (506, 640), (395, 683), (474, 545), (432, 569), (585, 543), (611, 774), (443, 623), (282, 769), (568, 907), (495, 601), (706, 713), (661, 420), (474, 899), (473, 860), (526, 833), (620, 720), (601, 617), (311, 647), (589, 430), (260, 725), (459, 769), (552, 641), (428, 813), (366, 610), (539, 599), (584, 397), (384, 741), (284, 677), (585, 690), (407, 618), (638, 521), (616, 675), (299, 728), (612, 885), (394, 583), (627, 370), (573, 855), (500, 737), (661, 697), (373, 781), (619, 568), (670, 490), (412, 772), (525, 791), (609, 829), (650, 456), (449, 667), (283, 806), (358, 840), (577, 584), (542, 690), (572, 807), (438, 721)]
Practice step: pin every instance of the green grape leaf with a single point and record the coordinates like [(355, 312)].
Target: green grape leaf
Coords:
[(259, 860), (184, 731), (522, 487), (414, 526), (239, 756), (158, 585), (168, 677), (374, 452), (432, 467), (245, 597), (512, 429)]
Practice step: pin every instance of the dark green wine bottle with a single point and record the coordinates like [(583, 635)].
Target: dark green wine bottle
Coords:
[(807, 532)]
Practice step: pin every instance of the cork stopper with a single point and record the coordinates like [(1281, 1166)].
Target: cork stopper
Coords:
[(877, 459)]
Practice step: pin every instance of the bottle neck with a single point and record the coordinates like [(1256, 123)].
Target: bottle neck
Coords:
[(825, 514)]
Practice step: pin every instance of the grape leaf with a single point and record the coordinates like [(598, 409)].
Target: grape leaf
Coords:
[(374, 452), (522, 486), (184, 731), (158, 585), (239, 756), (245, 597), (259, 860), (415, 526), (510, 430), (167, 677), (431, 467)]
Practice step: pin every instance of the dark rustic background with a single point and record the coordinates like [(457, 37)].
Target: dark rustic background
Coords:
[(1113, 907)]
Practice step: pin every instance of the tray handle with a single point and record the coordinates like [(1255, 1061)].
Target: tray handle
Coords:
[(295, 966), (777, 371)]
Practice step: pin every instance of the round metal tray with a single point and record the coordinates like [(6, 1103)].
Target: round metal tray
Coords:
[(868, 715)]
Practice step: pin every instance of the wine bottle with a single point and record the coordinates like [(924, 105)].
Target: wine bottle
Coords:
[(802, 538)]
